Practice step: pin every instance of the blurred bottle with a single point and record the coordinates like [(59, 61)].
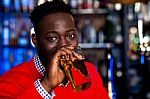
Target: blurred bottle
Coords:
[(96, 4), (24, 5), (30, 53), (148, 10), (87, 4), (11, 56), (31, 5), (6, 5), (6, 63), (79, 36), (118, 37), (1, 31), (19, 58), (130, 13), (17, 6), (100, 36), (23, 39), (74, 4), (89, 32), (109, 29), (80, 4), (13, 34), (5, 31)]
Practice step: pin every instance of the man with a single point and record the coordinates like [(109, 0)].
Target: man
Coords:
[(41, 77)]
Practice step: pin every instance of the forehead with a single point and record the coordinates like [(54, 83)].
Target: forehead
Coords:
[(56, 22)]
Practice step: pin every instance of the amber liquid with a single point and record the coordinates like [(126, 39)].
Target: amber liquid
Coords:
[(80, 66)]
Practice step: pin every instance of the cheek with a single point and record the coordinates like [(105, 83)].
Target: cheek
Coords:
[(44, 47), (75, 42)]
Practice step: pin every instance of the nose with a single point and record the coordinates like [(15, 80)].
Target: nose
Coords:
[(63, 41)]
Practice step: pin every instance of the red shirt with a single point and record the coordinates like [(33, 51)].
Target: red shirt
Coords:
[(18, 83)]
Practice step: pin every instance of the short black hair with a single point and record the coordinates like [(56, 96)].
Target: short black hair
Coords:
[(49, 7)]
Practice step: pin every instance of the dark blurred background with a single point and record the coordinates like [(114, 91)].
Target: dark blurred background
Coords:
[(114, 35)]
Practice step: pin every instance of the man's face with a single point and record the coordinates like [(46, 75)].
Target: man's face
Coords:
[(56, 30)]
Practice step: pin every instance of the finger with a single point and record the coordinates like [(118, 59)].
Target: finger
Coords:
[(64, 55), (78, 56), (61, 75), (68, 52), (72, 48)]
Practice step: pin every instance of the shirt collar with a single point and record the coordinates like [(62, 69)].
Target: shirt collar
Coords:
[(39, 65)]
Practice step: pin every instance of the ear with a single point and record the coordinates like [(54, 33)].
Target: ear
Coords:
[(34, 40)]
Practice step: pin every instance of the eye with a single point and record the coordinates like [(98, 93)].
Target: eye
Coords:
[(71, 36), (52, 38)]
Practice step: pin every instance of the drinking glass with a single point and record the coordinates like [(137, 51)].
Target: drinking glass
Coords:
[(79, 67)]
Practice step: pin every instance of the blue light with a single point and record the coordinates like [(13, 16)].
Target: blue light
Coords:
[(111, 69), (22, 41), (5, 61), (17, 5), (6, 66), (6, 36), (25, 3), (6, 53), (6, 3), (111, 77), (142, 59), (19, 55)]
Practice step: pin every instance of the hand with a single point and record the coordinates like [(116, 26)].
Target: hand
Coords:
[(54, 75)]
